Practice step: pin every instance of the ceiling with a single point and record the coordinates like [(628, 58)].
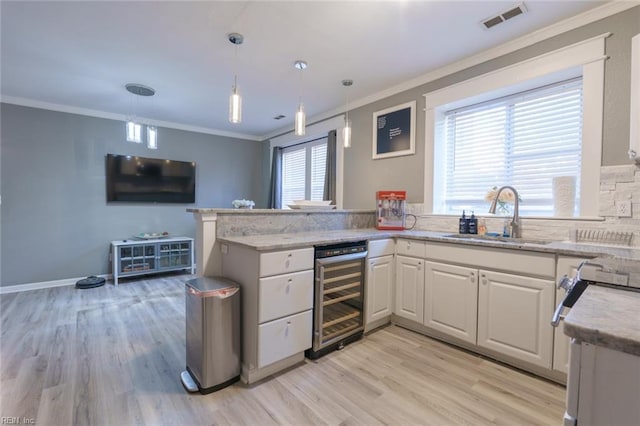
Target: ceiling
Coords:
[(80, 54)]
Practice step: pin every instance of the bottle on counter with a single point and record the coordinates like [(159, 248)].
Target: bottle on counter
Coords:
[(482, 227), (506, 228), (463, 226), (473, 224)]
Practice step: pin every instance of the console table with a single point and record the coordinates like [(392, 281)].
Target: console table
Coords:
[(139, 257)]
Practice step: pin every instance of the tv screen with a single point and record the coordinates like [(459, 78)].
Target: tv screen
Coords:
[(140, 179)]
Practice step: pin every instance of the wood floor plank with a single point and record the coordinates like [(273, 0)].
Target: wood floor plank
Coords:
[(113, 355)]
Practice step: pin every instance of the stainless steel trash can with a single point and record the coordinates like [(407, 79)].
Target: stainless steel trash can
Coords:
[(212, 334)]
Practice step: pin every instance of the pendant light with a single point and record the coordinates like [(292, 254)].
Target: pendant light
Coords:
[(300, 118), (235, 100), (346, 130), (134, 127)]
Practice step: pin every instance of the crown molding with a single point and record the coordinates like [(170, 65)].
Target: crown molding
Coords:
[(121, 117), (585, 18), (577, 21)]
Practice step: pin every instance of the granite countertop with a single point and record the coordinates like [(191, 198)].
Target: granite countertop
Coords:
[(305, 239), (606, 317), (209, 210)]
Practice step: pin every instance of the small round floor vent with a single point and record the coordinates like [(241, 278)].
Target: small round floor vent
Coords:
[(90, 282)]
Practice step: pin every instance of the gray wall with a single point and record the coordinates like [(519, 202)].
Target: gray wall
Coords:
[(56, 222), (364, 176)]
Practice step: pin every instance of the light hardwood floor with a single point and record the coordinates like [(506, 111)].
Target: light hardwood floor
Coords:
[(113, 356)]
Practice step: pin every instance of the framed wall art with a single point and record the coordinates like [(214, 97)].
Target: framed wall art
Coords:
[(394, 131)]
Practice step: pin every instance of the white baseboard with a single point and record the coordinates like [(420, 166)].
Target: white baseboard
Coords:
[(44, 284)]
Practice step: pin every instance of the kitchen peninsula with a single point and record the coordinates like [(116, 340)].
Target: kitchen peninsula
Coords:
[(530, 267)]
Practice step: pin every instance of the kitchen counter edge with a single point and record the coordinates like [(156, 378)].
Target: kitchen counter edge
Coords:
[(606, 317), (269, 242)]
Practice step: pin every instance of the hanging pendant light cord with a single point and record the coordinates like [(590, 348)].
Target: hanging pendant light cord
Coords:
[(235, 67)]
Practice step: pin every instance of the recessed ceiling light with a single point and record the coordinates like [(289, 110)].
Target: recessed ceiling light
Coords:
[(140, 89)]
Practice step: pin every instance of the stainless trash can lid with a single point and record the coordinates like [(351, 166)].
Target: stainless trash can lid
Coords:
[(212, 287)]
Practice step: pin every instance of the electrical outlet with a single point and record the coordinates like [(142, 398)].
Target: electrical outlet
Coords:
[(623, 208)]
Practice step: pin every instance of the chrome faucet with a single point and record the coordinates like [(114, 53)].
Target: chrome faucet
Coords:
[(515, 221)]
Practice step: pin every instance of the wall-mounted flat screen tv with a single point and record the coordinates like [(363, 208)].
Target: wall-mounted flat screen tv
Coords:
[(150, 180)]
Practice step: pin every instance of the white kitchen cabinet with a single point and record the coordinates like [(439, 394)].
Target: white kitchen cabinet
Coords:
[(566, 265), (284, 337), (409, 295), (412, 248), (277, 306), (514, 315), (284, 294), (451, 300), (603, 386), (379, 288), (379, 282)]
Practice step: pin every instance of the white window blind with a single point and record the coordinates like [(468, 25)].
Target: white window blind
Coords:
[(293, 175), (523, 140), (318, 167), (303, 171)]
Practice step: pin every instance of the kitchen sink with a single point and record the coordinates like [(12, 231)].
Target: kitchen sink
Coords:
[(500, 239)]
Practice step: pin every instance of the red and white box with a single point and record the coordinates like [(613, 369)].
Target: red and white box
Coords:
[(390, 206)]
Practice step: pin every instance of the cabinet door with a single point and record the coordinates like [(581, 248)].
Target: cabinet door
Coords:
[(514, 315), (566, 265), (137, 258), (379, 288), (409, 288), (451, 300)]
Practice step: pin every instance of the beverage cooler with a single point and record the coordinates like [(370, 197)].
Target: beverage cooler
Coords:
[(390, 209)]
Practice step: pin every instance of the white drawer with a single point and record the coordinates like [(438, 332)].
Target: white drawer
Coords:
[(283, 262), (411, 248), (283, 295), (283, 338), (514, 260), (379, 248)]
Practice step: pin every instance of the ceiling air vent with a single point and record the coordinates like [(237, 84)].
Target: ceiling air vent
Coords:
[(506, 15)]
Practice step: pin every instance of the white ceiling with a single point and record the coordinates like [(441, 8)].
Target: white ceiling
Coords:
[(81, 53)]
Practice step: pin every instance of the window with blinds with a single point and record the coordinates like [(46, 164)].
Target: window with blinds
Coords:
[(303, 171), (523, 140)]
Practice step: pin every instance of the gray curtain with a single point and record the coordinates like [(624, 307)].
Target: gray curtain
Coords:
[(330, 171), (275, 186)]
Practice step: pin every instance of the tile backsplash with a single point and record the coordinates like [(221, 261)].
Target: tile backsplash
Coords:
[(617, 183)]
